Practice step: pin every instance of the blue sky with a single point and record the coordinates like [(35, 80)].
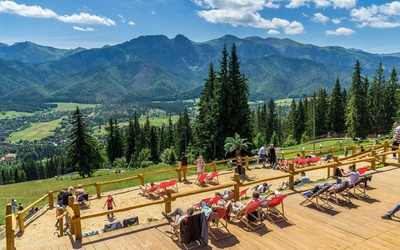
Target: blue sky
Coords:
[(373, 26)]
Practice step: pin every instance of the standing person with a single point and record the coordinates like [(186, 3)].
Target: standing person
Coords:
[(14, 205), (239, 165), (263, 153), (109, 202), (184, 165), (271, 155), (389, 215), (20, 207), (200, 166), (346, 151), (60, 198), (396, 138), (66, 194), (57, 214)]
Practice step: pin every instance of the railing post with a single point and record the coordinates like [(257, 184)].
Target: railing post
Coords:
[(71, 201), (283, 155), (291, 177), (236, 189), (247, 161), (77, 225), (178, 170), (385, 149), (10, 242), (373, 162), (98, 190), (141, 177), (21, 225), (214, 164), (51, 199), (61, 221), (168, 203), (333, 151), (303, 154), (334, 171)]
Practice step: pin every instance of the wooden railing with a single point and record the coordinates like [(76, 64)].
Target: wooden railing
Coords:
[(73, 210)]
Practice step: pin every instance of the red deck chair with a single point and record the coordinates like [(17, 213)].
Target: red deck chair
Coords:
[(173, 185), (201, 178), (362, 171), (310, 161), (271, 210), (317, 159), (163, 185), (284, 165), (214, 200), (219, 216), (301, 162), (205, 200), (151, 190), (212, 177), (243, 192), (248, 212)]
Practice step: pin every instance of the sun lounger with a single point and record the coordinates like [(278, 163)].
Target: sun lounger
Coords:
[(271, 209), (252, 211), (316, 199)]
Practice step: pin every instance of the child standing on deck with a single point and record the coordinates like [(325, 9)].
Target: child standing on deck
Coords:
[(109, 203)]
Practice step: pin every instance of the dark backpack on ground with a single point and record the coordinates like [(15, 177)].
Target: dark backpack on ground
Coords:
[(131, 221), (112, 226)]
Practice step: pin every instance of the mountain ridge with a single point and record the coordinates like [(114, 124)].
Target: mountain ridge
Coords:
[(149, 68)]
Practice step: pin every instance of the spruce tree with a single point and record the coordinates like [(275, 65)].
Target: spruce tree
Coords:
[(336, 110), (115, 145), (391, 101), (357, 105), (376, 101), (82, 147)]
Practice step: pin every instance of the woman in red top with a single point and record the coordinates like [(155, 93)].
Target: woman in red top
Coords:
[(109, 203)]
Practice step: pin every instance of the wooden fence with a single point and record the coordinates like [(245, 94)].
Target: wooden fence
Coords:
[(73, 210)]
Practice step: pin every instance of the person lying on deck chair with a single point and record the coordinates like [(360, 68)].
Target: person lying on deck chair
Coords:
[(339, 184), (226, 195), (179, 214), (261, 188), (304, 179), (146, 187), (238, 206)]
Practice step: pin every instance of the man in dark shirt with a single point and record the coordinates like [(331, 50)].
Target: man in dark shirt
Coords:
[(65, 196), (184, 165)]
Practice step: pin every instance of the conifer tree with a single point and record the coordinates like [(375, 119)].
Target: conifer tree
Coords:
[(391, 101), (336, 110), (376, 101), (271, 121), (357, 105), (83, 153), (115, 144), (130, 141)]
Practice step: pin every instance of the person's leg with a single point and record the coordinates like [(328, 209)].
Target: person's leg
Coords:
[(395, 209), (395, 143), (184, 170), (176, 211)]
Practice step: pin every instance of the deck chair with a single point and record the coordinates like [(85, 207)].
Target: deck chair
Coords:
[(284, 165), (188, 231), (310, 161), (201, 179), (242, 193), (162, 187), (218, 220), (212, 177), (301, 162), (317, 159), (252, 211), (214, 201), (151, 191), (328, 158), (271, 211), (340, 196), (205, 200), (362, 171), (317, 200), (173, 185), (359, 188)]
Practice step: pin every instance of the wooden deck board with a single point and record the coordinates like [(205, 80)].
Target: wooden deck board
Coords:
[(352, 226)]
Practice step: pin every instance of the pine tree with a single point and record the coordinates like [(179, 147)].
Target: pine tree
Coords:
[(82, 148), (130, 141), (115, 145), (336, 111), (391, 101), (271, 121), (376, 101), (320, 112), (357, 105)]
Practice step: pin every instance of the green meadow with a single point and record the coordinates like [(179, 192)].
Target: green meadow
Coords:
[(13, 114), (36, 131), (68, 106)]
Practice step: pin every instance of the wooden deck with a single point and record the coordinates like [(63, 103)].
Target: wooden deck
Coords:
[(354, 226)]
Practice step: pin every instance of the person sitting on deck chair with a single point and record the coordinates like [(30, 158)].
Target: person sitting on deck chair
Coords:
[(339, 184), (79, 193), (146, 187), (352, 175), (226, 195), (261, 188), (238, 206), (304, 179)]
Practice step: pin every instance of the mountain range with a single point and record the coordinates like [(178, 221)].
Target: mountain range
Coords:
[(150, 68)]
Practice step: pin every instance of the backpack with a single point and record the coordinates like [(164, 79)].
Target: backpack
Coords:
[(112, 226), (131, 221)]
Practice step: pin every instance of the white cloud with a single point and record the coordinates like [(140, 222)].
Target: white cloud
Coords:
[(132, 23), (36, 11), (377, 16), (340, 32), (336, 20), (341, 4), (319, 18), (122, 18), (83, 29), (244, 13), (273, 32)]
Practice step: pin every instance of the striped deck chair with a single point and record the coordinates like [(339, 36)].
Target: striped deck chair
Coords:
[(317, 199)]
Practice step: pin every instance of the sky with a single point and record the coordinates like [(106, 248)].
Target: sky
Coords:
[(370, 25)]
